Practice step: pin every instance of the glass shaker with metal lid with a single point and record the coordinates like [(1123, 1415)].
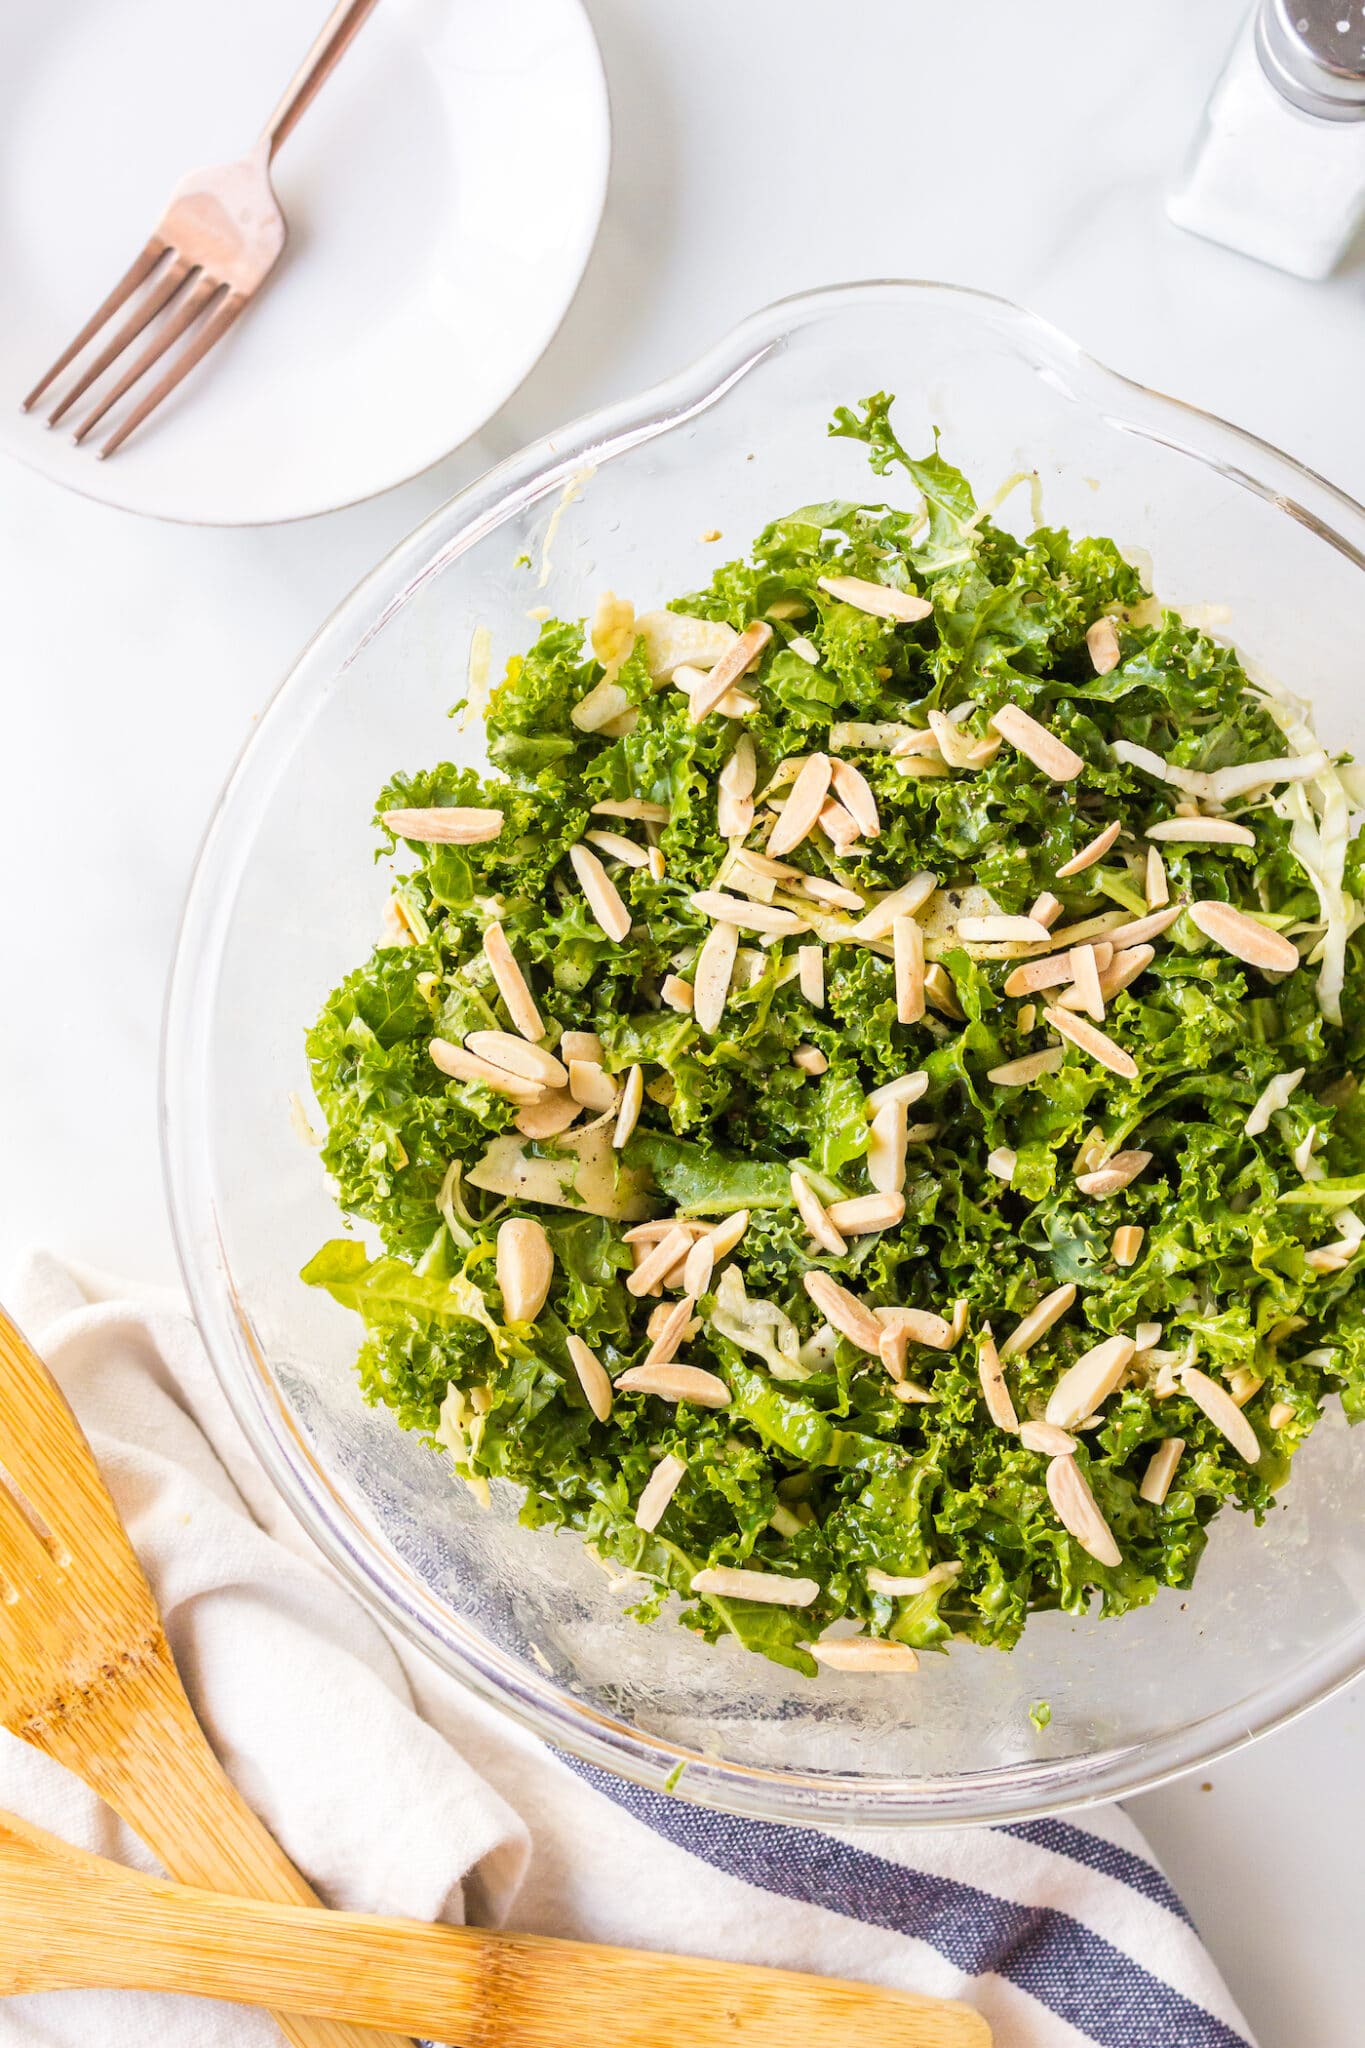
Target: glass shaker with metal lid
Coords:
[(1279, 168)]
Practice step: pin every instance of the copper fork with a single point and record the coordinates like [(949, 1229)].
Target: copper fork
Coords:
[(87, 1676), (209, 254)]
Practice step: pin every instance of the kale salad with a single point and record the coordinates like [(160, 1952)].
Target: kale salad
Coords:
[(859, 1103)]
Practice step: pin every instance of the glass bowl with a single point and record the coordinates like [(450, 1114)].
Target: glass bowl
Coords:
[(286, 898)]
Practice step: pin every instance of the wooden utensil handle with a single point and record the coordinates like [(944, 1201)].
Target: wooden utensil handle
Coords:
[(76, 1921), (334, 39)]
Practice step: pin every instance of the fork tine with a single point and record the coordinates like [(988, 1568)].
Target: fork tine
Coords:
[(211, 331), (183, 315), (158, 298), (141, 267)]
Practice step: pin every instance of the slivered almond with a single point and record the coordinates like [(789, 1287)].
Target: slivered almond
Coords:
[(741, 1582), (913, 1394), (1222, 1411), (628, 1115), (1002, 1162), (885, 1158), (1027, 1018), (996, 1394), (658, 866), (897, 1586), (815, 1216), (902, 902), (591, 1085), (1035, 975), (592, 1376), (1040, 746), (810, 962), (677, 993), (1102, 638), (698, 1267), (864, 1653), (997, 931), (445, 825), (1096, 850), (603, 897), (907, 947), (1045, 1437), (849, 1316), (632, 807), (516, 1056), (1120, 1170), (1097, 928), (906, 1088), (1202, 832), (462, 1065), (1087, 1385), (1280, 1413), (657, 1228), (738, 910), (807, 649), (1045, 909), (902, 1327), (803, 805), (1136, 931), (834, 893), (617, 847), (676, 1383), (1069, 1491), (552, 1113), (711, 975), (1127, 1244), (512, 984), (1086, 976), (737, 657), (659, 1259), (669, 1334), (862, 1214), (525, 1267), (727, 1234), (940, 994), (734, 703), (1038, 1321), (810, 1059), (1244, 938), (1123, 969), (854, 792), (1019, 1073), (879, 599), (735, 787), (1156, 1480), (838, 826), (1097, 1045), (1156, 885), (659, 1489)]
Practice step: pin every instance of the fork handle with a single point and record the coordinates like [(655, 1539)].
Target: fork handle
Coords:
[(339, 30)]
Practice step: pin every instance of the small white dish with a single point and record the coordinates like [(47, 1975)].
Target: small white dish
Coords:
[(442, 194)]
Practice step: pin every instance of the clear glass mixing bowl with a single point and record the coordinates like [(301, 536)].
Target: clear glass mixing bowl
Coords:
[(286, 898)]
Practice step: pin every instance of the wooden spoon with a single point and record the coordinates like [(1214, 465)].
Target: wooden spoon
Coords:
[(70, 1920)]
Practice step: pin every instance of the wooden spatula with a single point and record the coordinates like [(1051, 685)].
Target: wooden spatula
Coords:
[(87, 1676), (70, 1920)]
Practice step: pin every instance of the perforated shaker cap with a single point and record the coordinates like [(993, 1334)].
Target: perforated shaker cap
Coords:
[(1313, 53)]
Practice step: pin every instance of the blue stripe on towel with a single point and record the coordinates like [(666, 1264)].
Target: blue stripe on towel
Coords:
[(1098, 1854), (1105, 1994)]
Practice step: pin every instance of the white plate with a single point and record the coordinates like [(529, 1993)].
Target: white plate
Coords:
[(442, 193)]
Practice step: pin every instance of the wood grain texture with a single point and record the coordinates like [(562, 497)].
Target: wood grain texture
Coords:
[(69, 1920)]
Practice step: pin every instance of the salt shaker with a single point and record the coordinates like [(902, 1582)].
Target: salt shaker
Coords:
[(1279, 168)]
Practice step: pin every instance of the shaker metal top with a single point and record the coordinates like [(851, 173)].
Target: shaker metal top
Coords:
[(1313, 53)]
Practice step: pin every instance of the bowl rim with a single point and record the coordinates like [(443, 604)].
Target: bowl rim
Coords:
[(1037, 1787)]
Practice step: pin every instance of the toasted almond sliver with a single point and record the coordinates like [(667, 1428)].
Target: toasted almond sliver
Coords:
[(994, 931), (1069, 1491), (512, 984), (834, 893), (698, 1267), (658, 866), (897, 1586), (1222, 1412), (1244, 938), (815, 1216), (726, 1234), (711, 975), (940, 993), (676, 1383), (592, 1376), (1040, 746), (617, 847), (1136, 931), (525, 1267), (591, 1085), (885, 1157), (803, 806), (864, 1653), (462, 1065), (738, 1582), (445, 825), (996, 1394), (669, 1334), (1018, 1073), (737, 910), (659, 1259), (1087, 1385), (862, 1214), (603, 896), (1002, 1162), (547, 1117), (735, 786), (1045, 1437), (1046, 909), (659, 1489), (657, 1228), (902, 902), (677, 993), (1127, 1244), (1202, 832), (1120, 1170), (1156, 885), (628, 1115), (632, 807), (1102, 639), (1095, 851), (810, 1059), (516, 1056), (838, 827), (877, 598), (737, 657), (1097, 1045), (810, 961), (1280, 1413), (1156, 1480), (1027, 1018), (906, 1088), (1122, 969), (693, 682), (918, 1326), (1085, 974), (1038, 1321), (849, 1316), (1035, 975), (854, 792), (907, 947)]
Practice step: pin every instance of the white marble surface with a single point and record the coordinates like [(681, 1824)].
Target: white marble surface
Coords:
[(760, 147)]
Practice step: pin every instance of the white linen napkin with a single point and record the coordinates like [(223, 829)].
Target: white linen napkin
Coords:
[(395, 1791)]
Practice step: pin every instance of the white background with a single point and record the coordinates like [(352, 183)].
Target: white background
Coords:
[(761, 146)]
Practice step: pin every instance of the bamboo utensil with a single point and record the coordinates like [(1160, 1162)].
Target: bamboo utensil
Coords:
[(214, 247), (70, 1920), (86, 1673)]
